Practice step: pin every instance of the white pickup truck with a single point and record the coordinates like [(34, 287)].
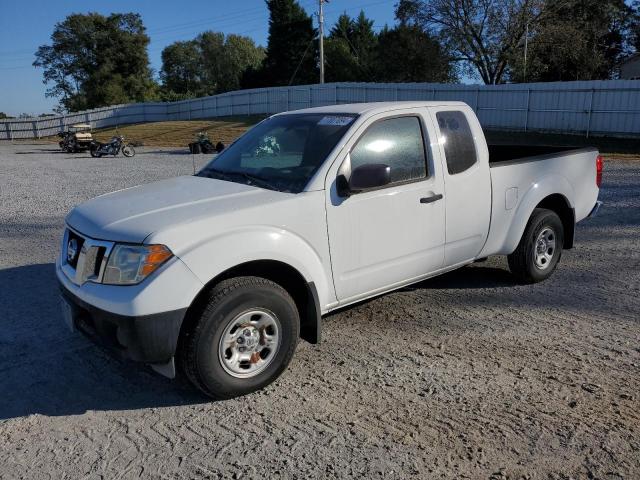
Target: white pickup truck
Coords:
[(222, 272)]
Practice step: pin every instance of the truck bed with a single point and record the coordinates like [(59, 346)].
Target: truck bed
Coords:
[(504, 153), (517, 170)]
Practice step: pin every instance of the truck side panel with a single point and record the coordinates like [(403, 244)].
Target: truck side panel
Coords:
[(518, 187)]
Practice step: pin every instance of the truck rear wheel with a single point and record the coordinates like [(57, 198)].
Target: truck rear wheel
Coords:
[(540, 247), (240, 338)]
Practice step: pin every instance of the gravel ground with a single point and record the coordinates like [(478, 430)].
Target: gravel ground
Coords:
[(463, 376)]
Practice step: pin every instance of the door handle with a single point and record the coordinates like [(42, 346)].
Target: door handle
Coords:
[(431, 199)]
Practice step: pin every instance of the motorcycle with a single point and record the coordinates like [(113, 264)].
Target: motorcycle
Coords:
[(113, 147), (65, 141)]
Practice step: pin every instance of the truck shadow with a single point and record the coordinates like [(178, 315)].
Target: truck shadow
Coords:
[(45, 369), (474, 276)]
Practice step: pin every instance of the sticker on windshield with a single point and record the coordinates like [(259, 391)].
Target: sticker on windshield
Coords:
[(336, 121)]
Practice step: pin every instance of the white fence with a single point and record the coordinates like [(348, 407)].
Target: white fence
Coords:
[(610, 107)]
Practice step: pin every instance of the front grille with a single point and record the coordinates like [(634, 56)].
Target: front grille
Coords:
[(90, 258), (72, 258)]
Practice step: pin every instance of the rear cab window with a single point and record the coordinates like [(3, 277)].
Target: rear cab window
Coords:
[(459, 146)]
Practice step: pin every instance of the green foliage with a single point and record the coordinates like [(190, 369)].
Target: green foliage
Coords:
[(209, 64), (351, 50), (95, 61), (407, 53), (4, 115), (182, 69), (292, 53), (576, 40), (635, 26)]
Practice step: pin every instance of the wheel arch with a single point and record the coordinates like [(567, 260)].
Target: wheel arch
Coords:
[(560, 205), (551, 192), (304, 294)]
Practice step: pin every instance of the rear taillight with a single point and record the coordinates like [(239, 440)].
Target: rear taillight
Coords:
[(599, 167)]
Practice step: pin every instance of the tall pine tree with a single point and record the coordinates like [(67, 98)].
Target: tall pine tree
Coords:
[(292, 50), (350, 50)]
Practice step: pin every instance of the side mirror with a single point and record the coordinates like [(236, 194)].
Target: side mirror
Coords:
[(363, 178)]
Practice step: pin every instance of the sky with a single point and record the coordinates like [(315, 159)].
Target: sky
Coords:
[(25, 26)]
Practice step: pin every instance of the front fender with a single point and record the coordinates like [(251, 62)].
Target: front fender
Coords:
[(217, 254), (538, 191)]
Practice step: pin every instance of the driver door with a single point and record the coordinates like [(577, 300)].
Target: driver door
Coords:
[(385, 237)]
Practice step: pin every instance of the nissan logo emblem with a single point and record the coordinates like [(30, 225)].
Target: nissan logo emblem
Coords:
[(72, 250)]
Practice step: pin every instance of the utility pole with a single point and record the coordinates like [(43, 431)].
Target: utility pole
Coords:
[(321, 21)]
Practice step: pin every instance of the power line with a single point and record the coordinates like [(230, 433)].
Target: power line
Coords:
[(227, 19), (301, 60)]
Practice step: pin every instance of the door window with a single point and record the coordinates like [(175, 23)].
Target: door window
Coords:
[(398, 143), (459, 147)]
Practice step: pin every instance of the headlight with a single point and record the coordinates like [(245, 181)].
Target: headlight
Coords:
[(130, 264)]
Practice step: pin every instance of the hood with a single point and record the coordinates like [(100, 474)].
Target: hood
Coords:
[(131, 215)]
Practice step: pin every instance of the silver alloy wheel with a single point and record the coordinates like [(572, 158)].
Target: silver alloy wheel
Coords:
[(249, 343), (544, 248)]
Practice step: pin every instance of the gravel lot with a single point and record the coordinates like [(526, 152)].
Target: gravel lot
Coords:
[(463, 376)]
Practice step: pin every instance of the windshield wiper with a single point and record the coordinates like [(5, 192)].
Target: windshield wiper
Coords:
[(210, 172), (230, 174), (259, 181)]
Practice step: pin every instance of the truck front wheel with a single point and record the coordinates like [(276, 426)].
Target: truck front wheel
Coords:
[(540, 247), (240, 338)]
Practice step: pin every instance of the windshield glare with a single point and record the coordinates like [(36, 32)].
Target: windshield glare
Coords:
[(282, 153)]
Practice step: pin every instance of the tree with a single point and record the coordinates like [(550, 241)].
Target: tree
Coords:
[(578, 40), (4, 115), (483, 34), (226, 59), (343, 28), (292, 52), (422, 57), (95, 61), (351, 50), (209, 64), (635, 26), (182, 69)]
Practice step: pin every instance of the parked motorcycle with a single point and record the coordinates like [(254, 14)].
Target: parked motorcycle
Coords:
[(113, 147)]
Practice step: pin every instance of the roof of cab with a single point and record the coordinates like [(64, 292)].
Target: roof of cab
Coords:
[(373, 107)]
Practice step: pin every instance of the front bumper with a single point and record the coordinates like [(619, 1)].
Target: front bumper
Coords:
[(145, 338)]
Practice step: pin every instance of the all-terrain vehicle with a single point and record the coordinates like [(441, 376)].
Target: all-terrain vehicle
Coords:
[(204, 145), (77, 138)]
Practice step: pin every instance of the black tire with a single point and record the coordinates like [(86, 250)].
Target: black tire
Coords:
[(199, 349), (195, 148), (94, 152), (206, 148), (523, 261), (128, 151)]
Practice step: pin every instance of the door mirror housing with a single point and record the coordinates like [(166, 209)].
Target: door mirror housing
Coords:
[(363, 178)]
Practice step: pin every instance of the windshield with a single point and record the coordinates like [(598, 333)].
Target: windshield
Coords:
[(282, 153)]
